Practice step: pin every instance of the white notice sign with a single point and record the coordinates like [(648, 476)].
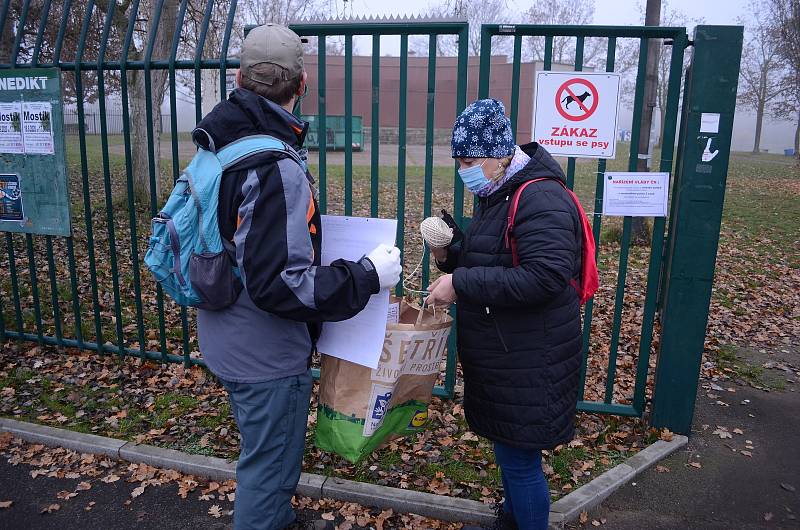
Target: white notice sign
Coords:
[(11, 128), (575, 113), (635, 194), (359, 339), (37, 127), (709, 122)]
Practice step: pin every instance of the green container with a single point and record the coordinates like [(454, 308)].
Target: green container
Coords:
[(335, 136)]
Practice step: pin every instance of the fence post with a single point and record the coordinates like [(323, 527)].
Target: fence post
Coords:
[(699, 191)]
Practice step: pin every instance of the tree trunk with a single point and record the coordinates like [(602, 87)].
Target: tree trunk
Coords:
[(797, 137), (640, 230), (6, 43), (759, 122), (158, 79), (141, 147), (661, 115)]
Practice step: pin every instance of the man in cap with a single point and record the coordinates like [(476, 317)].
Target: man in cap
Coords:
[(260, 347)]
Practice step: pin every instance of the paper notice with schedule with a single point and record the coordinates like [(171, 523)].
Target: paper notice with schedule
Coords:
[(635, 194), (359, 339)]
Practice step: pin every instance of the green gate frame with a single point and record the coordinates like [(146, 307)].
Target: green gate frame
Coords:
[(689, 264)]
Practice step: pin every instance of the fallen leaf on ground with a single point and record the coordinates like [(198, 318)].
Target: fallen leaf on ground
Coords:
[(328, 516), (584, 517), (746, 453), (6, 504), (65, 495), (215, 511), (662, 469), (666, 435), (696, 465), (137, 491), (83, 486), (110, 478), (51, 508), (722, 433)]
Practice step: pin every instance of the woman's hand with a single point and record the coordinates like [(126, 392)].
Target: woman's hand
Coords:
[(440, 254), (442, 292)]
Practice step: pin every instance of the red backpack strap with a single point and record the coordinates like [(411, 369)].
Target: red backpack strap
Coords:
[(512, 215)]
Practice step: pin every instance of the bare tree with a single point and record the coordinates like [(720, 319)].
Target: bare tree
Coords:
[(785, 17), (160, 35), (476, 13), (285, 11), (675, 18), (760, 77), (90, 47), (787, 106), (575, 12)]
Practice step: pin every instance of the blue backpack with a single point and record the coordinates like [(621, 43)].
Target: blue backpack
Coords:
[(186, 253)]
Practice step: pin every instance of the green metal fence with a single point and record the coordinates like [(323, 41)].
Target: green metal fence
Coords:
[(121, 311), (114, 309)]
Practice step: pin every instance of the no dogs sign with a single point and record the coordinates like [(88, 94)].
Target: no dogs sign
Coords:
[(576, 113)]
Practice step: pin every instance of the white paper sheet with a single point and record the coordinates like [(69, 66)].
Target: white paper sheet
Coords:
[(11, 128), (709, 122), (359, 339), (37, 127)]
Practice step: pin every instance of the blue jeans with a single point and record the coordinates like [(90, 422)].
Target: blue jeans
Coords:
[(272, 419), (527, 497)]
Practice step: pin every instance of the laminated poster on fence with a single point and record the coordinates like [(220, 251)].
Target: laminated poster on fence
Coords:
[(359, 339), (37, 127)]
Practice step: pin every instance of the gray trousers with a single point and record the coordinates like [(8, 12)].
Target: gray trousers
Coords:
[(272, 419)]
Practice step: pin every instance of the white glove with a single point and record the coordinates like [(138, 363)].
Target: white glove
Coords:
[(386, 261)]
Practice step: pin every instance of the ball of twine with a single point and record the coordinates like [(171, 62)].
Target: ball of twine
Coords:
[(435, 232)]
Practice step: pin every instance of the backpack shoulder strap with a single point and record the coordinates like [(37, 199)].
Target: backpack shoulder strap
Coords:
[(512, 215), (251, 145)]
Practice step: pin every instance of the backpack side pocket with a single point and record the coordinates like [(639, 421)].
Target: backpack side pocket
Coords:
[(214, 280)]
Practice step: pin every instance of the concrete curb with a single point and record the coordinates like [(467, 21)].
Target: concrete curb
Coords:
[(590, 495), (563, 511)]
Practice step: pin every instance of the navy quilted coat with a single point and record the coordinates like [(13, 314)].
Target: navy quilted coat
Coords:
[(519, 328)]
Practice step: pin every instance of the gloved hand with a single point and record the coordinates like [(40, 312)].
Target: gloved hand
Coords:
[(458, 235), (386, 261)]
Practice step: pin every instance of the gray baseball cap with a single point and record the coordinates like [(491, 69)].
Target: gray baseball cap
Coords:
[(275, 45)]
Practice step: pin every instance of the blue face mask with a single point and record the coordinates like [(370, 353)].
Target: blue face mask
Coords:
[(474, 178)]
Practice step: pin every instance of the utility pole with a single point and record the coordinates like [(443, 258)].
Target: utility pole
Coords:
[(640, 232)]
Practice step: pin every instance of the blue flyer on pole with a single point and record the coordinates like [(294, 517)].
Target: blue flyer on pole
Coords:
[(10, 198)]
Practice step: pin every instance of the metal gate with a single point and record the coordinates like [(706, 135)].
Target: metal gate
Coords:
[(129, 316)]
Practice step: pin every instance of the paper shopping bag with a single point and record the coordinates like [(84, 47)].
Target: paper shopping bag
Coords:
[(360, 408)]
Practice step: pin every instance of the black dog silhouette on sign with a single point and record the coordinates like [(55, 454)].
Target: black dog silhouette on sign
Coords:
[(570, 99)]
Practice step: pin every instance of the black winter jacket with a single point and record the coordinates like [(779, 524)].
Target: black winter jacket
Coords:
[(519, 328)]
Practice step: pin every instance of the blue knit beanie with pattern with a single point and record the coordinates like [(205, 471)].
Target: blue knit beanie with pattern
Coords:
[(483, 131)]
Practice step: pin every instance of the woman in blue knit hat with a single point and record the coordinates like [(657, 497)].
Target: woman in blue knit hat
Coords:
[(519, 328)]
